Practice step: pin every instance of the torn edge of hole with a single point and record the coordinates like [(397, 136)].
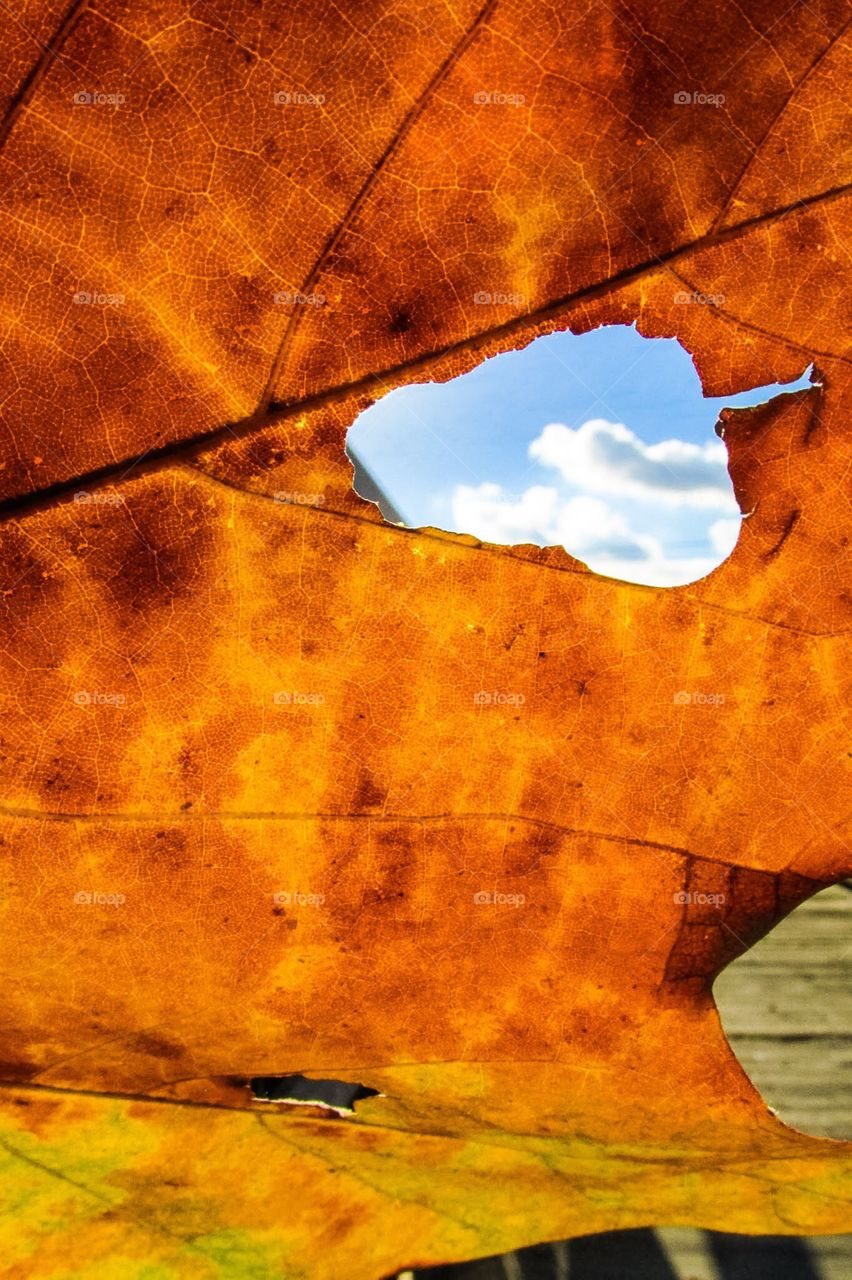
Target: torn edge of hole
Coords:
[(338, 1096)]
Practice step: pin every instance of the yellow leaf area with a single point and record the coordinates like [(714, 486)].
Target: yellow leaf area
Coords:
[(102, 1186), (285, 789)]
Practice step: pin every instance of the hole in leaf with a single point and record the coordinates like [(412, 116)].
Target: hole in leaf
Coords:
[(601, 442), (786, 1008), (336, 1095)]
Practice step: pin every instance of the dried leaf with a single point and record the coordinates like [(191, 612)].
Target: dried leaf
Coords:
[(257, 818)]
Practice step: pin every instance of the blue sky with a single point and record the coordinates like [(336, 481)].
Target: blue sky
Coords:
[(602, 442)]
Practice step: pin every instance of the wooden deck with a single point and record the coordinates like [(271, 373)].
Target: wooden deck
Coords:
[(786, 1007)]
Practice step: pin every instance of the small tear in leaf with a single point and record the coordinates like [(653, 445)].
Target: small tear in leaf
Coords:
[(297, 1090)]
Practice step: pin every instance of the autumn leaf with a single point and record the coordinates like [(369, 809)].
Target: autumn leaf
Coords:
[(258, 818)]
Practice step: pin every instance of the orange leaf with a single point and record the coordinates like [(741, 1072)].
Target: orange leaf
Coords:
[(258, 817)]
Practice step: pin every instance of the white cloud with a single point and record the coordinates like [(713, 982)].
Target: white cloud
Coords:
[(607, 457), (723, 535), (675, 488), (493, 515), (591, 528), (586, 525), (657, 571), (588, 528)]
